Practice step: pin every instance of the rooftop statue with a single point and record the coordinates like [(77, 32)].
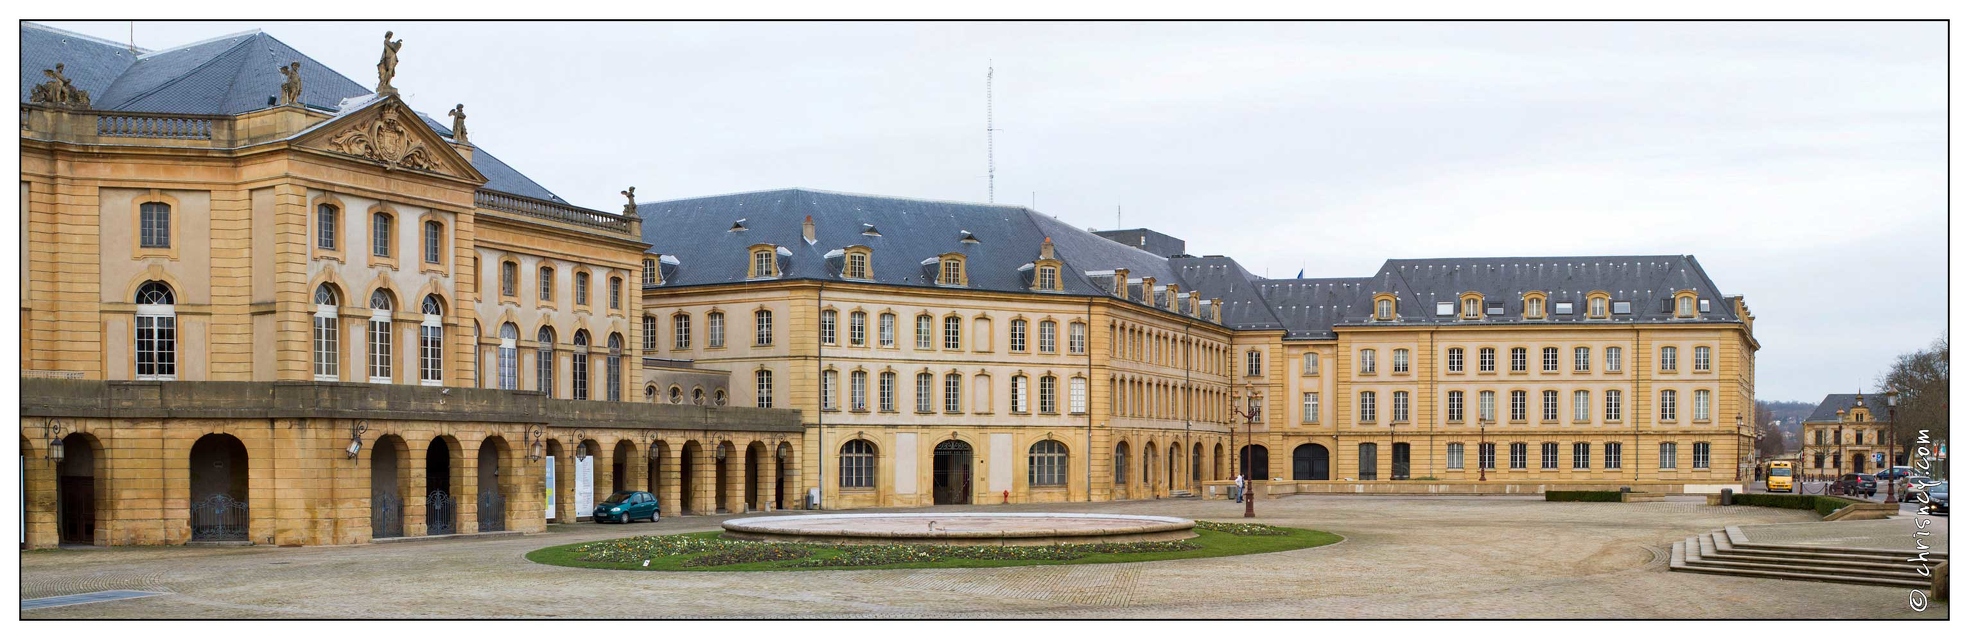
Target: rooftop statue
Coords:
[(387, 67)]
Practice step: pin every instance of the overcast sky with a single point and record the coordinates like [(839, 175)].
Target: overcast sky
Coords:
[(1802, 163)]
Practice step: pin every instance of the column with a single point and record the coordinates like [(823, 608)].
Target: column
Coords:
[(671, 494), (703, 485), (735, 480), (768, 478)]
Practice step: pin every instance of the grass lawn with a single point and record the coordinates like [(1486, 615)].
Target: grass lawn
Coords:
[(677, 553)]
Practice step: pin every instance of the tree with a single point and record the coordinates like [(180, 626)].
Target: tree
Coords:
[(1922, 378)]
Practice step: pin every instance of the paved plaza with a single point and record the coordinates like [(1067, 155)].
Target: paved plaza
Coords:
[(1403, 557)]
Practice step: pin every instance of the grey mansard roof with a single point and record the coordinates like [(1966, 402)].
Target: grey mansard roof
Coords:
[(223, 76), (1828, 410)]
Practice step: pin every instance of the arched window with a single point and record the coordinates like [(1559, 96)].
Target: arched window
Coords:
[(544, 364), (154, 225), (327, 333), (1046, 464), (764, 379), (697, 396), (509, 356), (430, 342), (857, 465), (762, 334), (1121, 465), (326, 218), (720, 398), (157, 332), (676, 395), (580, 353), (382, 337), (379, 234)]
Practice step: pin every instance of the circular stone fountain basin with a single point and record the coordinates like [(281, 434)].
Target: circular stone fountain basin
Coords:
[(960, 529)]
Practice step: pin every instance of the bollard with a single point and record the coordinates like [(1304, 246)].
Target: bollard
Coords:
[(1729, 498)]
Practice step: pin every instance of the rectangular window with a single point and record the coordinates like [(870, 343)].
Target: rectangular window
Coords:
[(924, 399), (154, 225), (1562, 308), (1667, 455), (762, 331), (1582, 456), (1668, 405), (1518, 406), (1622, 307), (764, 379), (325, 222), (858, 391), (1077, 338), (1455, 406), (1018, 335), (431, 347), (1049, 401), (953, 393), (887, 391), (1367, 361), (680, 330), (1613, 405), (1548, 405), (1254, 364), (1611, 458), (1445, 308), (886, 329), (1310, 365), (1487, 455), (1455, 456), (1668, 358), (1077, 395), (829, 383), (1455, 360), (581, 288), (827, 320), (858, 266), (327, 349), (1518, 451), (546, 284), (1486, 360), (1699, 455), (924, 339), (1582, 359), (615, 293), (1369, 461), (714, 330), (1613, 359), (649, 334), (1549, 359), (1582, 406), (433, 242), (1702, 404), (1518, 359), (1487, 406), (1399, 407), (762, 264), (1049, 341), (380, 348), (157, 346), (1702, 358), (1398, 462), (1309, 406), (1401, 361), (1367, 406), (858, 329), (953, 332), (1018, 394), (1548, 456)]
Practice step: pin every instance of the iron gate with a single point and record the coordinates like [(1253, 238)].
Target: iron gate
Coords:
[(492, 511), (218, 517), (385, 515), (440, 514)]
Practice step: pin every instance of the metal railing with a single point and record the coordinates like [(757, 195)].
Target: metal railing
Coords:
[(147, 126), (537, 208)]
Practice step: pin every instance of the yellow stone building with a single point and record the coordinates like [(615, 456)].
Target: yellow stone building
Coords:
[(258, 296), (1847, 433)]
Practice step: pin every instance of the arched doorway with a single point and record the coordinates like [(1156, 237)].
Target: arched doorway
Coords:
[(755, 455), (619, 468), (653, 479), (440, 506), (1121, 470), (780, 479), (219, 488), (1148, 467), (1171, 464), (560, 483), (1196, 466), (1217, 463), (687, 478), (950, 468), (492, 496), (1254, 462), (1310, 462), (1859, 463), (386, 487), (76, 486)]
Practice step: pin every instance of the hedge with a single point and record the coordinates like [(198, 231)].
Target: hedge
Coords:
[(1582, 496), (1824, 505)]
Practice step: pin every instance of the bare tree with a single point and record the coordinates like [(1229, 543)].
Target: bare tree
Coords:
[(1922, 377)]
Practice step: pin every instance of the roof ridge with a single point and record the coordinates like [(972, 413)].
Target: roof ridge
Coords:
[(210, 40), (837, 193), (189, 72), (124, 45)]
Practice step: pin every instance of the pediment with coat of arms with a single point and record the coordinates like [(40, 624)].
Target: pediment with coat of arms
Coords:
[(393, 136)]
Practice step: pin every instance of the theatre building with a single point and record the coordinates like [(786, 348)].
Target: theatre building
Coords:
[(264, 303)]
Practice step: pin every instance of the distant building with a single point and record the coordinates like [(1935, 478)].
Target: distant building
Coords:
[(1847, 433)]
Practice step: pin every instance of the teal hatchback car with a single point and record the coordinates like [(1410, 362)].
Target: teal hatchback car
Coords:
[(624, 506)]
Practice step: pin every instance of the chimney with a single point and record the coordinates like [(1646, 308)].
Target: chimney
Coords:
[(1173, 291), (1217, 310), (1193, 307), (1121, 283), (807, 229), (1046, 249), (1148, 291)]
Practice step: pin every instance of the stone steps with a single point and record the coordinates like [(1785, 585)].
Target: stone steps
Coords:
[(1715, 553)]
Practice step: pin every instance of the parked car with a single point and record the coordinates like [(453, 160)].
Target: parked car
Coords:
[(1853, 484), (1937, 499), (624, 506), (1911, 484), (1897, 472)]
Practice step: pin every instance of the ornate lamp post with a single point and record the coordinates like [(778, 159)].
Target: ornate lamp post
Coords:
[(1893, 396), (1483, 440), (355, 438), (1250, 415), (1742, 453), (53, 430)]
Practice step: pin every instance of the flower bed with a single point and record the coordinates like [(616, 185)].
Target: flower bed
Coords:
[(1582, 496), (1242, 529)]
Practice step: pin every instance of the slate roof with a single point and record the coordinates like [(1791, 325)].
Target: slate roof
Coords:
[(227, 75), (1828, 410)]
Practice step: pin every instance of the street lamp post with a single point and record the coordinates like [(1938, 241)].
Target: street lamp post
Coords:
[(1250, 415), (1740, 455), (1893, 396), (1483, 440)]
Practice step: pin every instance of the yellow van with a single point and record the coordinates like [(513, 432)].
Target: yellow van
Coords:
[(1778, 477)]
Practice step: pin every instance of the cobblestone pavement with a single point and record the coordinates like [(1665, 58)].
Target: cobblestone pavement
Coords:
[(1897, 534), (1403, 557)]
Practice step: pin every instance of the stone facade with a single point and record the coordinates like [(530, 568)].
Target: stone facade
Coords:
[(1848, 433)]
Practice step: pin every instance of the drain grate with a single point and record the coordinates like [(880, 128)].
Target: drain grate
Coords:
[(86, 598)]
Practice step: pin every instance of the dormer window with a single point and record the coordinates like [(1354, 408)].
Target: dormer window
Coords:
[(649, 271), (765, 261), (1562, 308), (855, 265), (1685, 305), (1472, 306), (1445, 308), (1623, 307), (1384, 307), (1703, 305), (950, 270), (1493, 308), (1534, 306), (1048, 279), (1596, 305)]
